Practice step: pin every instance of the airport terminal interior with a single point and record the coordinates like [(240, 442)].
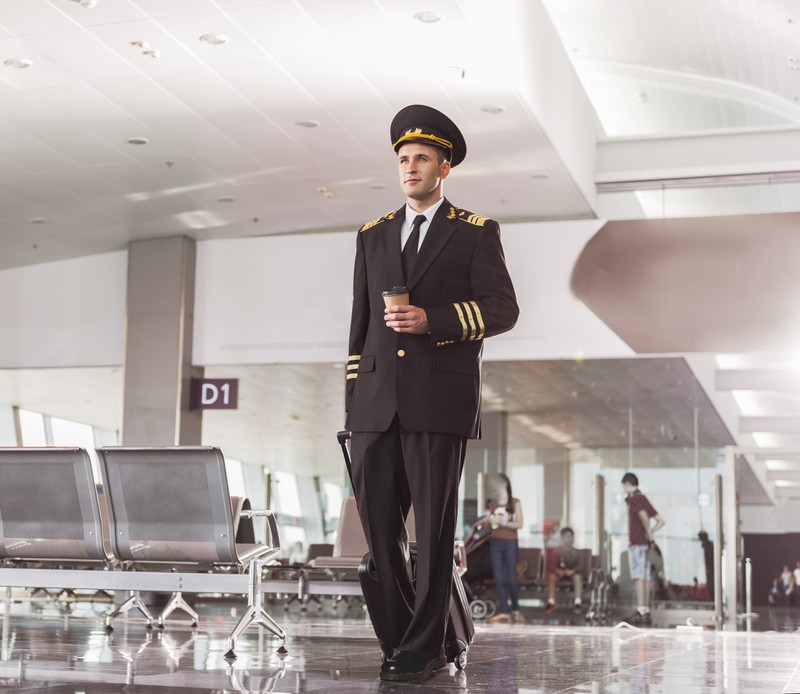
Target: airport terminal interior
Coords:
[(181, 187)]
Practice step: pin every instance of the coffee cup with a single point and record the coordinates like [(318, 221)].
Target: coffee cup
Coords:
[(396, 296)]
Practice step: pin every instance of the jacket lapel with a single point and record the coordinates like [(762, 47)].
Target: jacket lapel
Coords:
[(391, 247), (438, 234)]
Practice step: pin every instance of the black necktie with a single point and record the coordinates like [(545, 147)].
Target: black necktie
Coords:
[(410, 249)]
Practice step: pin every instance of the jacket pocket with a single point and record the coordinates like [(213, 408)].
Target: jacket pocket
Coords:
[(367, 363), (461, 365)]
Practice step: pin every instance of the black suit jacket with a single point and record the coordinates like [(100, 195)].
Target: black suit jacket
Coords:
[(432, 381)]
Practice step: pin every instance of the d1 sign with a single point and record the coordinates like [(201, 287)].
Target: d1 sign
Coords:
[(214, 394)]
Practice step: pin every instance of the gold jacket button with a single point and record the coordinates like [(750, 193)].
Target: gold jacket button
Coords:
[(401, 353)]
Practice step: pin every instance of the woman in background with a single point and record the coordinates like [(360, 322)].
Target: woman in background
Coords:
[(506, 518)]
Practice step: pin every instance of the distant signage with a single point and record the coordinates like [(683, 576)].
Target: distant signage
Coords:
[(214, 394)]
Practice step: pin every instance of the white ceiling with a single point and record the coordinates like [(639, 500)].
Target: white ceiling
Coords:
[(686, 65), (655, 69), (222, 120)]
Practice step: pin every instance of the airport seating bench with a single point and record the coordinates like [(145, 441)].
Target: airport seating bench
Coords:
[(170, 528)]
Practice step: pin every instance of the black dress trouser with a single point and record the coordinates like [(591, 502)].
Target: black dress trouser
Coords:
[(391, 471)]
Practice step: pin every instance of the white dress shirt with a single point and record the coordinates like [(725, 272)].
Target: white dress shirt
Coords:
[(405, 229)]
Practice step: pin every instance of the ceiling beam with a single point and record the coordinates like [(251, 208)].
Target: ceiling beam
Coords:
[(758, 379), (732, 153), (775, 475), (783, 424)]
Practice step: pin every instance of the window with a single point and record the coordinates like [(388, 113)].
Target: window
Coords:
[(235, 473), (31, 425), (68, 433), (287, 494), (332, 503)]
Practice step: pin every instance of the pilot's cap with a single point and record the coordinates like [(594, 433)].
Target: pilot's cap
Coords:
[(417, 123)]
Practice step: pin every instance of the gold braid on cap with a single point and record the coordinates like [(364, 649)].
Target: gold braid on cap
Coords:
[(419, 135)]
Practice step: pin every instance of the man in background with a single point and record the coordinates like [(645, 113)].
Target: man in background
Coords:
[(643, 521), (565, 566)]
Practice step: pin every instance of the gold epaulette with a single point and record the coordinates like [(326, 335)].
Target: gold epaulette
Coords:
[(377, 221), (478, 220)]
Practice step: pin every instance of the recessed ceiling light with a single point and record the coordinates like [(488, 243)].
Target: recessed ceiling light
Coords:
[(140, 44), (307, 123), (18, 63), (226, 198), (428, 17), (493, 109), (540, 175), (377, 186), (152, 54), (38, 220), (215, 39), (89, 4), (137, 140)]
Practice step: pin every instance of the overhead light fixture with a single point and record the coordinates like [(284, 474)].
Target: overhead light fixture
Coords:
[(152, 54), (18, 63), (307, 123), (428, 17), (140, 44), (88, 4), (226, 198), (38, 220), (377, 186), (325, 192), (540, 175), (493, 109), (719, 181), (137, 140), (215, 39)]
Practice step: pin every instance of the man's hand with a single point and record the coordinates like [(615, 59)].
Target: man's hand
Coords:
[(407, 319)]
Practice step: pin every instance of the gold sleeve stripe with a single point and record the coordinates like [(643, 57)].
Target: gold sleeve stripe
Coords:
[(354, 357), (473, 330), (353, 375), (352, 367), (479, 318), (463, 322)]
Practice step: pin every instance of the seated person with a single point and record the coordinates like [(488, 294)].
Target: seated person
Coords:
[(565, 566)]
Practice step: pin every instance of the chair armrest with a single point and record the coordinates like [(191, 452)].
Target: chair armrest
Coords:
[(274, 536)]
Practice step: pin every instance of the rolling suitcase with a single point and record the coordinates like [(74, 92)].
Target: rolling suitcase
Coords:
[(460, 629)]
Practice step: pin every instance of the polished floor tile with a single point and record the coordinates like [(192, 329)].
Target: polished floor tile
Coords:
[(64, 650)]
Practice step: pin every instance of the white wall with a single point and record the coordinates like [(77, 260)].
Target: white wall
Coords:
[(286, 299), (781, 518), (283, 299), (67, 313)]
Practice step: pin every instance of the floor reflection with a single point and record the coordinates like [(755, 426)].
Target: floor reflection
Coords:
[(46, 648)]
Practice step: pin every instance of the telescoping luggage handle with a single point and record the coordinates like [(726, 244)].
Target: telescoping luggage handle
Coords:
[(344, 441)]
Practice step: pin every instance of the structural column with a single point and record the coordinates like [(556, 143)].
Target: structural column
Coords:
[(731, 536), (158, 344)]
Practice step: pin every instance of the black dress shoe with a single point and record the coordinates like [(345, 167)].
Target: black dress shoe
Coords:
[(407, 666)]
